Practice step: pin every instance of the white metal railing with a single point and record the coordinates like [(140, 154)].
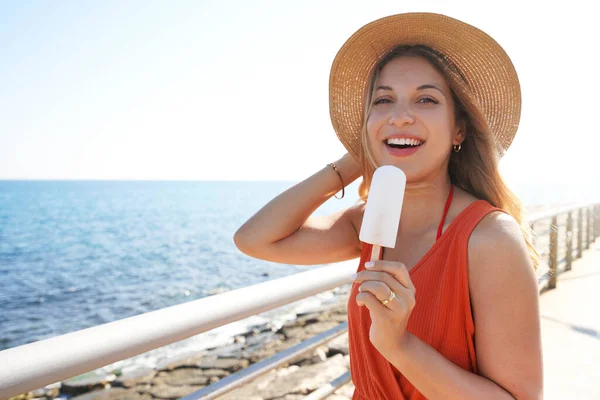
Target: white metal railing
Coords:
[(45, 362), (41, 363), (534, 217)]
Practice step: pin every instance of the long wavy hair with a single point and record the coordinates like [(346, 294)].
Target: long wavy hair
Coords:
[(473, 169)]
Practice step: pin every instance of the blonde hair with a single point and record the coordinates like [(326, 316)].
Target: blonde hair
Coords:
[(473, 169)]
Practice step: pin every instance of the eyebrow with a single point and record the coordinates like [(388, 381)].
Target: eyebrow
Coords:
[(422, 87)]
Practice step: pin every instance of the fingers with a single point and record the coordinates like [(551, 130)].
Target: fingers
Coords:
[(369, 300), (381, 291), (395, 269), (389, 280)]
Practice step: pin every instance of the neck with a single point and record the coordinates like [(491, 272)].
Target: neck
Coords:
[(423, 206)]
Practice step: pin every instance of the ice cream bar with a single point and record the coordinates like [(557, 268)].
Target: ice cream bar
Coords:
[(382, 211)]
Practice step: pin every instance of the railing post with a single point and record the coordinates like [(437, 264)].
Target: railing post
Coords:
[(596, 222), (595, 232), (587, 227), (553, 252), (580, 233), (569, 241)]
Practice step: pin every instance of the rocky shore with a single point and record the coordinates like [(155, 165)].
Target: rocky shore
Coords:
[(174, 379)]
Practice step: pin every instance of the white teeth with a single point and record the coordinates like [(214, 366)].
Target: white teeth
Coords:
[(404, 141)]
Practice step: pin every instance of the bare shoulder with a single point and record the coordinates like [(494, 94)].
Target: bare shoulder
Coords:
[(497, 250), (497, 231)]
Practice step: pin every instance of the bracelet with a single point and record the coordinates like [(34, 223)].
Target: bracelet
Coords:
[(340, 175)]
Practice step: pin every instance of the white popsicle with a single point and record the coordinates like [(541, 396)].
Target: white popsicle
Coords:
[(383, 208)]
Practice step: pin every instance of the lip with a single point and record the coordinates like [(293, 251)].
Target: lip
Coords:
[(402, 152)]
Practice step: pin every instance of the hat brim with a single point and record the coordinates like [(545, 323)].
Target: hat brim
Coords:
[(485, 65)]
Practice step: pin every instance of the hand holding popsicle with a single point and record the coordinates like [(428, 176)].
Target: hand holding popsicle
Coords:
[(388, 322), (385, 280)]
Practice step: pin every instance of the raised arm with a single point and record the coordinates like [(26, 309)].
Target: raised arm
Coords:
[(284, 231)]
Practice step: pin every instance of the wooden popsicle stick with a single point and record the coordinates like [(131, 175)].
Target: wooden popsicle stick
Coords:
[(375, 252)]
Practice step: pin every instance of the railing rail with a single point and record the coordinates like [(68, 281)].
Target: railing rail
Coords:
[(45, 362), (34, 365)]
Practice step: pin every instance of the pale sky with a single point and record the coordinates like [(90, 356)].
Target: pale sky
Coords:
[(239, 90)]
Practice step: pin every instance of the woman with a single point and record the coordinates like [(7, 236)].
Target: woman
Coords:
[(451, 312)]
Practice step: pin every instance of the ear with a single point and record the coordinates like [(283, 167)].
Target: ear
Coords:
[(461, 132)]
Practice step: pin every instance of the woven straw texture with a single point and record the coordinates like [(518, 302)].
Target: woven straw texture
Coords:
[(487, 68)]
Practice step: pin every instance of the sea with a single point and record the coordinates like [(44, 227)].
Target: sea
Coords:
[(76, 254)]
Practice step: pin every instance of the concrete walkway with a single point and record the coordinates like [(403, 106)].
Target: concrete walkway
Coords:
[(570, 318)]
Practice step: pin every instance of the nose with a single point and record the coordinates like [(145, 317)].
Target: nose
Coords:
[(400, 116)]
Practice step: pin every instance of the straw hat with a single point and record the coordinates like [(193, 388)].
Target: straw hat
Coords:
[(487, 68)]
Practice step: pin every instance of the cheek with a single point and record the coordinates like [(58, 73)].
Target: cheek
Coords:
[(371, 126), (374, 124)]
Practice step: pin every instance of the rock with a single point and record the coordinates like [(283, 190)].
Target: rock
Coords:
[(239, 339), (339, 318), (308, 331), (141, 375), (262, 346), (181, 377), (228, 351), (339, 345), (263, 338), (347, 390), (220, 373), (254, 389), (181, 361), (307, 379), (291, 381), (249, 397), (309, 318), (47, 392), (113, 394), (318, 355), (168, 392), (258, 355), (228, 364), (24, 396), (259, 328), (87, 382)]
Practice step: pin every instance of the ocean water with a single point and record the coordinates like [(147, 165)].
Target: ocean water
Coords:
[(78, 254), (75, 254)]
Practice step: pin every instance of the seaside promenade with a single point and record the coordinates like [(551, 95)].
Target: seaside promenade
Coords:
[(571, 331)]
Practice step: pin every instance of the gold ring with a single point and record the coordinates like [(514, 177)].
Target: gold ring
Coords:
[(390, 298)]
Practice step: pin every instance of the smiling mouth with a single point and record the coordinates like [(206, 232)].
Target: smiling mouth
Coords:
[(396, 143)]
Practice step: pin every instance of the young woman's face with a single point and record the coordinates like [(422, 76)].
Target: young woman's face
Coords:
[(412, 124)]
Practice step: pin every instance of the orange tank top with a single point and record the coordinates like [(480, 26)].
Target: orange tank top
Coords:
[(441, 317)]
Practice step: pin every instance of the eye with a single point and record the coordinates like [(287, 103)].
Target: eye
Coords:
[(382, 101), (428, 100)]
